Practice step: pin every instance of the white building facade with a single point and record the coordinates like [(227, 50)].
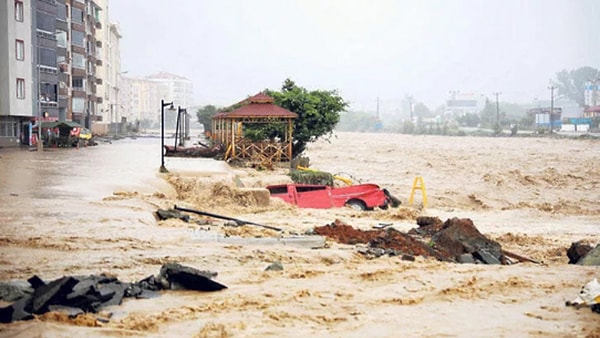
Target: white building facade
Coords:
[(141, 97), (591, 93), (17, 91)]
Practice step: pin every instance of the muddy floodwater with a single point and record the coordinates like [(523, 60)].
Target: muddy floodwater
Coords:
[(92, 210)]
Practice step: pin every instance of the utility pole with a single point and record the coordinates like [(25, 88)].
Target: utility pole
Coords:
[(377, 108), (410, 107), (551, 105), (497, 108)]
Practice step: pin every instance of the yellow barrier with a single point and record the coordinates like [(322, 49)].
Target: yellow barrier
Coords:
[(419, 184)]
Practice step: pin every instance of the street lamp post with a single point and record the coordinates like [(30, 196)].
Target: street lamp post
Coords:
[(178, 134), (163, 104)]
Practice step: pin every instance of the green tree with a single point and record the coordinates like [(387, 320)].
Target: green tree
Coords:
[(488, 114), (420, 109), (205, 115), (318, 112), (571, 84)]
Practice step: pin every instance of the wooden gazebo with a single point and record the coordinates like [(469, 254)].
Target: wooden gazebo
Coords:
[(228, 128)]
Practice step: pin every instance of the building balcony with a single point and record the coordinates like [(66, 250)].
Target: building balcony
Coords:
[(98, 62), (98, 25), (77, 26), (48, 69), (49, 104), (78, 92), (47, 6), (78, 72)]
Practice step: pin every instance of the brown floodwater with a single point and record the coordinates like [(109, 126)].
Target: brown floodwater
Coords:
[(71, 173), (88, 211)]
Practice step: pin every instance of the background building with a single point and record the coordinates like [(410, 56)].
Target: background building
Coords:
[(17, 92), (141, 97), (109, 68), (50, 64), (591, 92), (461, 103)]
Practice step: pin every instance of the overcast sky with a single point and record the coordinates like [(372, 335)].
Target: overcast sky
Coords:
[(364, 49)]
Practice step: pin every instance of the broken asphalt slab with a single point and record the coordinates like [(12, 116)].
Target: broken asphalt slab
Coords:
[(91, 293)]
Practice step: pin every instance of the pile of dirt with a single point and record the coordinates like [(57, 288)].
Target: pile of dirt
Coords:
[(218, 195), (346, 234), (428, 226), (390, 241), (404, 244), (456, 240)]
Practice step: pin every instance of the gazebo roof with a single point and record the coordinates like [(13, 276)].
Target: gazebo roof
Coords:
[(258, 98), (257, 106)]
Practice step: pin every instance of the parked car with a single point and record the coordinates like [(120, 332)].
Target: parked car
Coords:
[(360, 197), (85, 134)]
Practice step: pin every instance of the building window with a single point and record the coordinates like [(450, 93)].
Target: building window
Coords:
[(46, 22), (78, 61), (76, 15), (20, 50), (20, 88), (78, 104), (61, 39), (19, 10), (78, 83), (61, 13), (78, 38), (47, 57)]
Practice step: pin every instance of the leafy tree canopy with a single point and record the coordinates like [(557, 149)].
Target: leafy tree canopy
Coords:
[(318, 112), (205, 115), (571, 84), (420, 109)]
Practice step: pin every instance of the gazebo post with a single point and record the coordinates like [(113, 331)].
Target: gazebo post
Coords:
[(233, 139), (289, 139)]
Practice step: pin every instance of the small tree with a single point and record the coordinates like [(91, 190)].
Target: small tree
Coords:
[(318, 112), (205, 115), (571, 84)]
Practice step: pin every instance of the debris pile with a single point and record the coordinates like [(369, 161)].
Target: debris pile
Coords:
[(78, 294), (456, 240), (461, 239), (197, 151), (589, 296)]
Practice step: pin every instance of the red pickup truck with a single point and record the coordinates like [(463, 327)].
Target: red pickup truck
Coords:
[(361, 196)]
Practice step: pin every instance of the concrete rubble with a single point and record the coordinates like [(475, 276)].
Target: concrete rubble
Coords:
[(79, 294), (581, 253), (455, 240)]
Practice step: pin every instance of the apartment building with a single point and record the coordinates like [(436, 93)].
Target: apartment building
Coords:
[(108, 42), (49, 65), (17, 92), (141, 97)]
